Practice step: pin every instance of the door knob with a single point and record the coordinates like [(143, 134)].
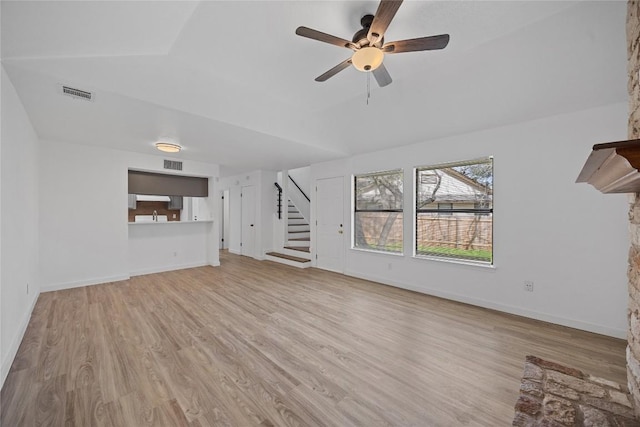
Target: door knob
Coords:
[(252, 225), (340, 231)]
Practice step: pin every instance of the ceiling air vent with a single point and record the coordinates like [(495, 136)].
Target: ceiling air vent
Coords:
[(77, 93), (173, 164)]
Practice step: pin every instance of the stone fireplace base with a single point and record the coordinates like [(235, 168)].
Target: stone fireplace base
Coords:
[(552, 395)]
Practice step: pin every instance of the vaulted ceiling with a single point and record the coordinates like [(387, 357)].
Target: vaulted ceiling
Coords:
[(232, 83)]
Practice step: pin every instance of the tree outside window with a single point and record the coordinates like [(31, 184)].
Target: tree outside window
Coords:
[(378, 211)]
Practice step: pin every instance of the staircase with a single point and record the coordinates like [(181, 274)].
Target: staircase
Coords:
[(297, 250)]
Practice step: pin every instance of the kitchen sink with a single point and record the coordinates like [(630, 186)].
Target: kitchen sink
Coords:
[(149, 218)]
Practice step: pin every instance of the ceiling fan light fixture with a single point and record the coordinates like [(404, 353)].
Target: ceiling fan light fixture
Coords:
[(168, 147), (367, 59)]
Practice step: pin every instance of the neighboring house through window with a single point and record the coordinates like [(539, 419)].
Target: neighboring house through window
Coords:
[(445, 207), (378, 211), (454, 211)]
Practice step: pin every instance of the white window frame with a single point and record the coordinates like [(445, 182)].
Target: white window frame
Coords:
[(354, 211), (437, 211)]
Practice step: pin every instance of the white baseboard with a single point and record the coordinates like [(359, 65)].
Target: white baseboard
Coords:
[(520, 311), (81, 283), (164, 269), (15, 343), (263, 256), (101, 280), (233, 251)]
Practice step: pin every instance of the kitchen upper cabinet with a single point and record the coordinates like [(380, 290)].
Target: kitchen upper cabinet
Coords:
[(175, 202)]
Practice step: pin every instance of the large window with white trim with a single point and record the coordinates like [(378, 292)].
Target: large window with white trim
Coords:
[(377, 215), (454, 211)]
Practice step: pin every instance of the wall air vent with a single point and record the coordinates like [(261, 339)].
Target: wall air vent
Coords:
[(77, 93), (173, 165)]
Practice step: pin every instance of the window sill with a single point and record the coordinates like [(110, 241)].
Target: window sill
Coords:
[(373, 251), (455, 261)]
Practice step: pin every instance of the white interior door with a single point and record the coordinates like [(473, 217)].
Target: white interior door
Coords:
[(225, 220), (330, 224), (248, 208)]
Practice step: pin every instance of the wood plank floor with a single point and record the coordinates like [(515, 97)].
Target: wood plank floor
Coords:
[(262, 344)]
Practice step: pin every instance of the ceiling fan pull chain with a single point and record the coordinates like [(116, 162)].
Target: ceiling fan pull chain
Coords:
[(368, 87)]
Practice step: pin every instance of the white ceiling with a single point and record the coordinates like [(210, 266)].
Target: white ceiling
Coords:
[(233, 84)]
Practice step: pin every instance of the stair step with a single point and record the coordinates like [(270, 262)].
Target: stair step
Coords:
[(299, 221), (302, 239), (298, 227), (299, 248), (298, 231), (288, 257), (298, 243), (298, 235)]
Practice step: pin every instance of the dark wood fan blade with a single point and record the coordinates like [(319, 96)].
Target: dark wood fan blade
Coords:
[(382, 76), (335, 70), (381, 20), (413, 45), (324, 37)]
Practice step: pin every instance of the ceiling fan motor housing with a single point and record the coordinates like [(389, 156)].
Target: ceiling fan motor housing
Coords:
[(366, 21), (360, 37)]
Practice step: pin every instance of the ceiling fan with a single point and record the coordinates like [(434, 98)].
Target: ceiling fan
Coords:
[(368, 44)]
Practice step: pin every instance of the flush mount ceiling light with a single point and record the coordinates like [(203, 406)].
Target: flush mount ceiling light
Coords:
[(168, 147), (367, 58)]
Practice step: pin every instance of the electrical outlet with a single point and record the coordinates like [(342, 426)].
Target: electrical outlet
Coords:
[(528, 285), (389, 266)]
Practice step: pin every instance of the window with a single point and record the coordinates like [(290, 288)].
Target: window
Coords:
[(446, 207), (454, 211), (378, 211)]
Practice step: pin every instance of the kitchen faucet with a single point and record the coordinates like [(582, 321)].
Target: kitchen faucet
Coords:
[(155, 215)]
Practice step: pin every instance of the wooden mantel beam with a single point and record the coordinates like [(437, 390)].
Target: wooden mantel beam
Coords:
[(613, 167)]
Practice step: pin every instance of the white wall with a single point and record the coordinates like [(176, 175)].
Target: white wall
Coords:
[(83, 225), (2, 347), (18, 222), (235, 220), (268, 210), (279, 232), (567, 238), (302, 177)]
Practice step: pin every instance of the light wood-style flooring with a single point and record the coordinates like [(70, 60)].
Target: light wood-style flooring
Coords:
[(262, 344)]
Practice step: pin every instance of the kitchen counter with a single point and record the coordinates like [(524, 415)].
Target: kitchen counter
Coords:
[(170, 222), (163, 246)]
